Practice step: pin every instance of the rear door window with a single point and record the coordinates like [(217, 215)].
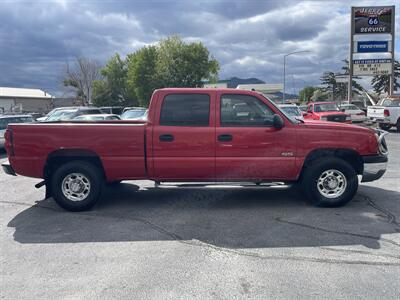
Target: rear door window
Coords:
[(185, 110)]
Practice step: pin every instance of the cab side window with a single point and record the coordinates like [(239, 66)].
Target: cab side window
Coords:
[(244, 111), (185, 110)]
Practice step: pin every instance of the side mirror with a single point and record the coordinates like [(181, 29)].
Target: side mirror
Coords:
[(277, 121), (304, 113)]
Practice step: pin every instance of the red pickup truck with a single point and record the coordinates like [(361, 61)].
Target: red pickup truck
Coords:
[(326, 111), (197, 135)]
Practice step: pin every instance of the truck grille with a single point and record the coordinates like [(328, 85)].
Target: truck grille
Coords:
[(336, 118)]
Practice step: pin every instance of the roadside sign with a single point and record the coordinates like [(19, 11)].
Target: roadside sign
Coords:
[(370, 20), (372, 67), (371, 46)]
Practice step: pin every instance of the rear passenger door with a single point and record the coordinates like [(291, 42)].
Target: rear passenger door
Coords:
[(184, 137)]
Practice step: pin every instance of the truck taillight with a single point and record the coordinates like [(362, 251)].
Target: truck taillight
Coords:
[(9, 142), (386, 113)]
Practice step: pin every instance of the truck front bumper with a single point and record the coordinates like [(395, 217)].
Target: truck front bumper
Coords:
[(374, 167), (8, 169)]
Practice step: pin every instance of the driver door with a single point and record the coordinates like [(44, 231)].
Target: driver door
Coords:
[(248, 147)]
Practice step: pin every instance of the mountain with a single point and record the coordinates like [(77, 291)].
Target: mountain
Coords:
[(235, 81)]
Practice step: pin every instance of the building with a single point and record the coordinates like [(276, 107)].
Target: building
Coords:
[(25, 100)]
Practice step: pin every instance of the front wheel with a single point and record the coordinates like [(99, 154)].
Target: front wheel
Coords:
[(330, 182), (76, 186)]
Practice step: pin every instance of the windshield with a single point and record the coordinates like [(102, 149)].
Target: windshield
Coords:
[(292, 111), (61, 114), (5, 121), (326, 107), (133, 114)]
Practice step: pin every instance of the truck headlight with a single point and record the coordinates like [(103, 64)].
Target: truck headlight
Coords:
[(348, 118), (324, 118)]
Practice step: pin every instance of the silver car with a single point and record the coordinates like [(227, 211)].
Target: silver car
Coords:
[(7, 119)]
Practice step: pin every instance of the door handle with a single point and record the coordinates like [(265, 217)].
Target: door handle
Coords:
[(166, 138), (225, 138)]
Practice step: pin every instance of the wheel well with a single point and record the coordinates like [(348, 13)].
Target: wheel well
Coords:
[(62, 156), (348, 155)]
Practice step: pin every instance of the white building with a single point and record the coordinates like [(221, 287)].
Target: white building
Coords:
[(24, 100)]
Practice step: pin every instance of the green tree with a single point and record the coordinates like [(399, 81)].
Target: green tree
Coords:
[(142, 74), (184, 65), (113, 89), (338, 90), (381, 83), (306, 93)]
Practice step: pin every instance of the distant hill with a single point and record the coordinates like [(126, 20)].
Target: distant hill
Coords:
[(235, 81)]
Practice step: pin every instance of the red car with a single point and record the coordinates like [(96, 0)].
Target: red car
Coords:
[(197, 135), (326, 111)]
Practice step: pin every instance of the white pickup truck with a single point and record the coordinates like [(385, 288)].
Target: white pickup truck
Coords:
[(386, 113)]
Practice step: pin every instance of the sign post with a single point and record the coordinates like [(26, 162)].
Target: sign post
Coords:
[(369, 22)]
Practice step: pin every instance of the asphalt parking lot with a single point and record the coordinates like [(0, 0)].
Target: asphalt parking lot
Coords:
[(143, 242)]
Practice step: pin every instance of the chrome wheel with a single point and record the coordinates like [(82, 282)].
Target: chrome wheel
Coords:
[(75, 187), (331, 183)]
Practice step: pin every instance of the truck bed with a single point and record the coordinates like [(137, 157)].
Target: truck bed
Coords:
[(120, 146)]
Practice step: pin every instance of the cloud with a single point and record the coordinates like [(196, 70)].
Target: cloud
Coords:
[(249, 38)]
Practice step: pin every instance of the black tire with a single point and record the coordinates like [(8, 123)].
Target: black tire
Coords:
[(398, 125), (384, 126), (312, 174), (91, 175), (114, 183)]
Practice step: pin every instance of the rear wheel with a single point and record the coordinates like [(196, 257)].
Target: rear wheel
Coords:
[(384, 126), (330, 182), (398, 125), (76, 186)]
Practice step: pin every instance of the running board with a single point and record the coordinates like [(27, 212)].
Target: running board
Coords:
[(220, 184)]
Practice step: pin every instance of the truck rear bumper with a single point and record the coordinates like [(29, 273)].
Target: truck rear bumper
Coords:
[(8, 169), (374, 167)]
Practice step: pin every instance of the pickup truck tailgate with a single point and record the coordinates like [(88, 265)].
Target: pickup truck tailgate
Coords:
[(376, 112)]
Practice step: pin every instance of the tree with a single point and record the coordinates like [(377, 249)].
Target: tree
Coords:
[(381, 83), (306, 93), (184, 65), (142, 74), (113, 89), (80, 76), (338, 90)]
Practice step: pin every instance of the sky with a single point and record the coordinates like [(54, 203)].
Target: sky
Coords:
[(248, 37)]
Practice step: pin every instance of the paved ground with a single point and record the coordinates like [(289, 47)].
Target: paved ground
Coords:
[(142, 242)]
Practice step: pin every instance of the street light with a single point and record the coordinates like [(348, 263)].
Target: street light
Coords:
[(284, 70)]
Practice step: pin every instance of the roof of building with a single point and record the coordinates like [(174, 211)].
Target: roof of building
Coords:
[(23, 93)]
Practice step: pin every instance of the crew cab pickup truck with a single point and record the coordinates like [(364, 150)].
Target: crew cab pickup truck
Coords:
[(197, 135), (386, 113), (326, 111)]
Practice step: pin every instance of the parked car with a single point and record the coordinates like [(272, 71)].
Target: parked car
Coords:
[(7, 119), (292, 110), (192, 135), (326, 111), (117, 110), (135, 114), (132, 108), (53, 112), (70, 113), (102, 117), (387, 113), (356, 114)]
